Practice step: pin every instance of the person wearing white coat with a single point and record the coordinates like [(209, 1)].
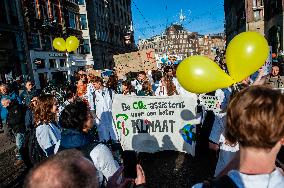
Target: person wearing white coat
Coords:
[(103, 105)]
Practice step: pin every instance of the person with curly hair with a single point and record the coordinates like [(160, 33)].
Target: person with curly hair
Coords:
[(77, 122), (47, 131)]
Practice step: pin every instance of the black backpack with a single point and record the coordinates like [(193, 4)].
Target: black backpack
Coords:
[(222, 182), (33, 151)]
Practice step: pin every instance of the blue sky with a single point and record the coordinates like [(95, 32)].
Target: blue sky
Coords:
[(202, 16)]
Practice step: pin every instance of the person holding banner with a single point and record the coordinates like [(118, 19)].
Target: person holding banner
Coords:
[(169, 72), (137, 84), (146, 89), (103, 104), (127, 88), (166, 87)]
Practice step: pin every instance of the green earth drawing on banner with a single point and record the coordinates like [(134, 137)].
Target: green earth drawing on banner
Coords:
[(187, 134), (121, 124)]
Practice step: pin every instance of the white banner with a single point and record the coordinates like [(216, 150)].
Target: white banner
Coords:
[(151, 124)]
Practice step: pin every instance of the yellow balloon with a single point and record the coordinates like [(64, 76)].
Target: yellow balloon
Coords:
[(59, 44), (246, 53), (72, 43), (199, 74)]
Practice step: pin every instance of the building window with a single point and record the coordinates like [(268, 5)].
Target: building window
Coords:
[(84, 25), (74, 1), (72, 20), (56, 13), (62, 63), (46, 43), (52, 63), (36, 41), (86, 47), (40, 63), (257, 15), (81, 2), (12, 12), (42, 12), (254, 3), (3, 14), (257, 3)]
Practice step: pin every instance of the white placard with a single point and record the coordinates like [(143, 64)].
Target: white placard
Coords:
[(211, 103), (268, 63), (151, 124)]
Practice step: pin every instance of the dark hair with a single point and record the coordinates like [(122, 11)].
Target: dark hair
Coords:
[(255, 117), (112, 82), (142, 72), (98, 80), (157, 75), (29, 81), (68, 168), (74, 116), (280, 68), (167, 69), (127, 84), (70, 92)]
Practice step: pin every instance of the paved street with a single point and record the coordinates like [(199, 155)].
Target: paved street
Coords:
[(10, 175), (5, 143)]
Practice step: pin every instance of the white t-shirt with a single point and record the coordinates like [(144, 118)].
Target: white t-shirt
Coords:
[(272, 180), (90, 95)]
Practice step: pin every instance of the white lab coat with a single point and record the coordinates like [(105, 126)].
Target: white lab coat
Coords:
[(137, 85), (90, 96), (104, 120)]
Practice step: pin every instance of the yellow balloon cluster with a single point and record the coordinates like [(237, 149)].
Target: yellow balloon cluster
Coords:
[(71, 44), (245, 54)]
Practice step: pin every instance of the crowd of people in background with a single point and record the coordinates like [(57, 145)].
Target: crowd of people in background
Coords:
[(76, 139)]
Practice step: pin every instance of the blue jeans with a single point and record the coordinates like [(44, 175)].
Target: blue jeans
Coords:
[(20, 140)]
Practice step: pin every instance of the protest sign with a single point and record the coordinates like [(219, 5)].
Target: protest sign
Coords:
[(135, 61), (268, 63), (211, 103), (151, 124)]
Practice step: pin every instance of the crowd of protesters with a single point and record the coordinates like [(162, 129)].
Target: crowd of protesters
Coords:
[(75, 143)]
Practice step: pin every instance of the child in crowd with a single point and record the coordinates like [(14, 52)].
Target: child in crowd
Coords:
[(146, 89)]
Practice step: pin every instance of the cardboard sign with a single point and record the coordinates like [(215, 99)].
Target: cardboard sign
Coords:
[(211, 103), (151, 124), (94, 72), (135, 62)]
